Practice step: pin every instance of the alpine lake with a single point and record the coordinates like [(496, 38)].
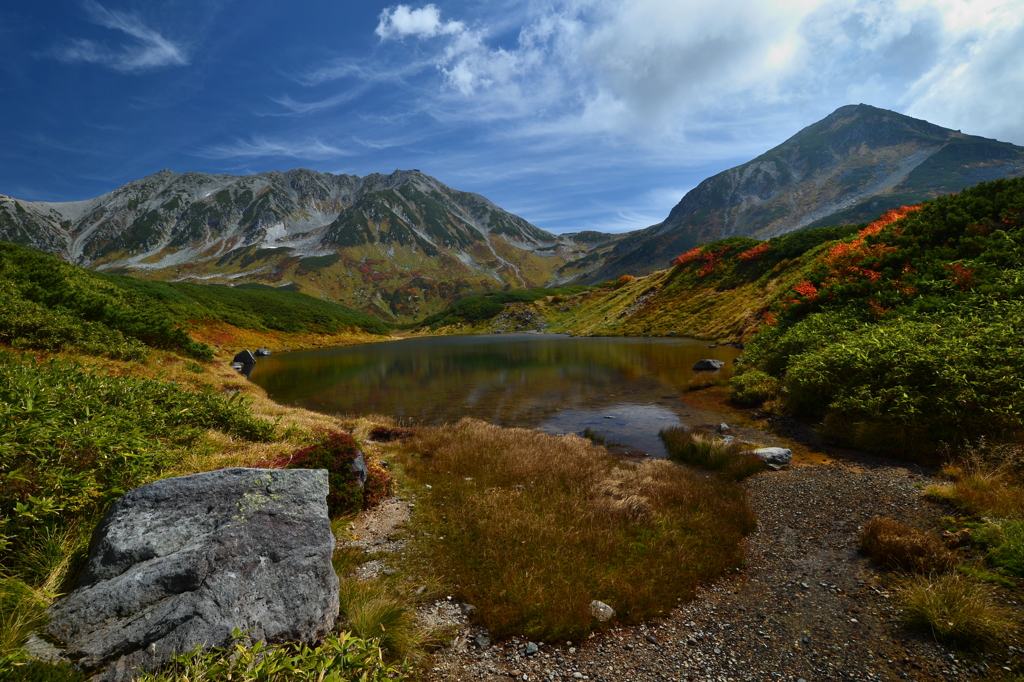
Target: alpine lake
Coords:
[(624, 390)]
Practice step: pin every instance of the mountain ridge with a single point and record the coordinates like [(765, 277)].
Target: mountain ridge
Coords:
[(398, 245), (847, 168)]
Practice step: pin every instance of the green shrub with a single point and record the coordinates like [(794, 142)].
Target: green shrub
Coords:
[(1005, 542), (984, 576), (753, 388), (334, 452), (51, 300), (39, 671), (904, 334), (72, 440), (340, 658)]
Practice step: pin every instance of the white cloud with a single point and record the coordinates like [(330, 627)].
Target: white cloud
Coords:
[(423, 23), (647, 70), (150, 50), (977, 84), (259, 146)]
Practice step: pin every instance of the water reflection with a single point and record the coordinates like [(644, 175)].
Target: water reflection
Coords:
[(559, 383)]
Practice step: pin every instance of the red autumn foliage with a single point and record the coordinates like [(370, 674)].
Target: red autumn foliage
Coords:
[(877, 310), (689, 256), (961, 274), (888, 219), (807, 290), (756, 252), (710, 258)]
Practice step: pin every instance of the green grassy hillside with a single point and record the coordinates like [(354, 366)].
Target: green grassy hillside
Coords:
[(49, 304)]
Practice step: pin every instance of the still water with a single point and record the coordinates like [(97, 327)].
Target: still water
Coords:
[(624, 389)]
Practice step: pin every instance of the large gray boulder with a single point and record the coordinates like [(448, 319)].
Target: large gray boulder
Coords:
[(184, 561), (708, 364)]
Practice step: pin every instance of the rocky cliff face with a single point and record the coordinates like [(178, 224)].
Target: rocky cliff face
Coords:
[(399, 245), (847, 168)]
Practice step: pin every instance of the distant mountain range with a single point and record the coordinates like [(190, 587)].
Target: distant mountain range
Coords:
[(399, 246), (405, 245), (848, 168)]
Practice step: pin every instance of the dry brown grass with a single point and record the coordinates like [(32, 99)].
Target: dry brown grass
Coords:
[(531, 527), (698, 448), (988, 480), (956, 609), (895, 545)]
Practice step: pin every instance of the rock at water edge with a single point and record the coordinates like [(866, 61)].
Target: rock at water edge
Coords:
[(775, 458), (707, 365)]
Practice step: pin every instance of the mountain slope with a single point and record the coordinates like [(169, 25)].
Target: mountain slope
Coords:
[(401, 245), (847, 168)]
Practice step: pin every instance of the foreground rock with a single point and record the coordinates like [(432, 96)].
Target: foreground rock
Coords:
[(707, 365), (184, 561), (775, 458)]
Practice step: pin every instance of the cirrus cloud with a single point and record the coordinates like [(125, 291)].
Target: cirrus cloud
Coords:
[(150, 49)]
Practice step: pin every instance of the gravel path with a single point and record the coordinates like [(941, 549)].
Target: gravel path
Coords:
[(807, 606)]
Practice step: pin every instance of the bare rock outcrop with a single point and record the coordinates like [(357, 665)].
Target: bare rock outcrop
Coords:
[(184, 561)]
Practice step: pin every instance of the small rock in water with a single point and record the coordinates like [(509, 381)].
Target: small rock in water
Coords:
[(707, 364), (724, 428)]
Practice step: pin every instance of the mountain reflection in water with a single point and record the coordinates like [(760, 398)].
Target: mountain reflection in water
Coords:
[(625, 389)]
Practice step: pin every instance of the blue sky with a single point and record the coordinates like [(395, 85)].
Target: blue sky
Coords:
[(575, 114)]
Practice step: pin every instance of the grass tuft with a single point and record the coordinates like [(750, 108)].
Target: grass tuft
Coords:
[(698, 448), (895, 545), (955, 609), (530, 528), (370, 610)]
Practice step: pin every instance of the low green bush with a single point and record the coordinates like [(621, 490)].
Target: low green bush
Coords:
[(73, 439), (47, 302), (480, 307), (904, 334), (340, 658), (1005, 544), (753, 388)]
